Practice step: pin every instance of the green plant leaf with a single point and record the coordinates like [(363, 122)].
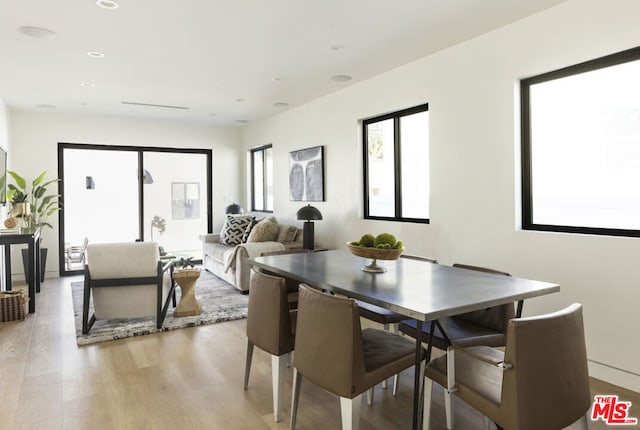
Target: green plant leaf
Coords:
[(20, 181), (39, 179)]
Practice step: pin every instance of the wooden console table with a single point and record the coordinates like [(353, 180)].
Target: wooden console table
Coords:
[(32, 239)]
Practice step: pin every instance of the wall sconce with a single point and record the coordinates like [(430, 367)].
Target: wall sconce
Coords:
[(308, 213), (90, 183)]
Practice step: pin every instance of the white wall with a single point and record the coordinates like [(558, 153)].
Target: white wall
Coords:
[(4, 141), (34, 138), (472, 93)]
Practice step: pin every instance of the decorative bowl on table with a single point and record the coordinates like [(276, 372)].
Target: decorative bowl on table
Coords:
[(375, 254)]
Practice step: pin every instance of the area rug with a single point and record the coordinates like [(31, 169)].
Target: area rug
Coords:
[(220, 301)]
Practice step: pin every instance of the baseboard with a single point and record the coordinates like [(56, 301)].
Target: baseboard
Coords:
[(615, 376)]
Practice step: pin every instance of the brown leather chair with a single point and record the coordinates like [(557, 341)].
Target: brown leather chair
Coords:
[(483, 327), (333, 352), (540, 381), (270, 327), (387, 318)]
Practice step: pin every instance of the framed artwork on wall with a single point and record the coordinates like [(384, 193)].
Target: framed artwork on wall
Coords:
[(185, 200), (306, 175)]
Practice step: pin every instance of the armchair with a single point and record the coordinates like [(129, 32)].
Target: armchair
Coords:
[(126, 280)]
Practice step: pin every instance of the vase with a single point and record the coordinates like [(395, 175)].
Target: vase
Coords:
[(20, 209)]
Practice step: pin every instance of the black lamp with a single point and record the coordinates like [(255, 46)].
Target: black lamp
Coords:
[(233, 209), (308, 213)]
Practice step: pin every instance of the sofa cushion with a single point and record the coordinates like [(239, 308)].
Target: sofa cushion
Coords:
[(287, 233), (234, 228), (265, 231), (247, 232)]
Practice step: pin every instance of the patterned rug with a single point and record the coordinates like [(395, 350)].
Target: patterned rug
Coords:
[(220, 301)]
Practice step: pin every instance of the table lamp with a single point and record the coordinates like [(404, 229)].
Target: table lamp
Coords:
[(233, 209), (309, 214)]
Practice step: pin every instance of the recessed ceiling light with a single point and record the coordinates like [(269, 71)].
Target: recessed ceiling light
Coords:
[(212, 114), (341, 78), (107, 4), (281, 104), (87, 85), (277, 78), (239, 100), (242, 121), (337, 47), (46, 106), (38, 32), (95, 54)]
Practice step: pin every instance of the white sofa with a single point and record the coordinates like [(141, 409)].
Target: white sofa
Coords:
[(230, 262)]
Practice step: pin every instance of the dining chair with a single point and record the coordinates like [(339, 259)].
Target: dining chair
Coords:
[(539, 381), (482, 327), (270, 327), (333, 351), (387, 318)]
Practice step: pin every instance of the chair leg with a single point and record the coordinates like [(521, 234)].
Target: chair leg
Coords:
[(350, 411), (295, 394), (426, 408), (370, 396), (247, 366), (278, 368), (396, 379), (450, 388)]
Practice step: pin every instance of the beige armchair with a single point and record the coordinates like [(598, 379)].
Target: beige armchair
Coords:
[(126, 280)]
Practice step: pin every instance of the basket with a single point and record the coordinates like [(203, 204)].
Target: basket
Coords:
[(375, 254), (12, 305)]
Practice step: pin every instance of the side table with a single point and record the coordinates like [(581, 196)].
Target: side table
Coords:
[(188, 305)]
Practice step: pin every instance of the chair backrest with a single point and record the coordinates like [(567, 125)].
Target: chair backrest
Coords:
[(496, 317), (329, 341), (116, 261), (268, 319), (419, 258), (548, 386), (122, 260)]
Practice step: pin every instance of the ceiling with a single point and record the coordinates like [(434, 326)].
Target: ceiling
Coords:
[(221, 62)]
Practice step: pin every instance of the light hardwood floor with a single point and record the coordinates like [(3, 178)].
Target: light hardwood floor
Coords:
[(183, 379)]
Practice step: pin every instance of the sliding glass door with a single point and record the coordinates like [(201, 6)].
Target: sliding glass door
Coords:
[(123, 194)]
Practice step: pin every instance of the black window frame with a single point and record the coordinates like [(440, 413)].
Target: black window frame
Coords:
[(527, 209), (396, 116), (262, 149)]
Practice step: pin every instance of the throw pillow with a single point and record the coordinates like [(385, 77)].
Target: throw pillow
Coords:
[(264, 231), (233, 229), (287, 233), (252, 224)]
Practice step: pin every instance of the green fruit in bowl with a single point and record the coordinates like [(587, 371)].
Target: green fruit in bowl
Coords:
[(385, 238), (367, 240), (399, 245)]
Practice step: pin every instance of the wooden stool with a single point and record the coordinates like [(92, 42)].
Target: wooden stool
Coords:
[(188, 305)]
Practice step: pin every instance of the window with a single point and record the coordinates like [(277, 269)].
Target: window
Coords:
[(581, 148), (396, 165), (262, 179)]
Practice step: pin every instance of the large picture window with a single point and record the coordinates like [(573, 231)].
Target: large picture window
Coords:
[(396, 165), (581, 147), (262, 179)]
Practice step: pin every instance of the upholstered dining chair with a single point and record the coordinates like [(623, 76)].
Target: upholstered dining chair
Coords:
[(387, 318), (483, 327), (270, 327), (332, 351), (126, 280), (540, 381)]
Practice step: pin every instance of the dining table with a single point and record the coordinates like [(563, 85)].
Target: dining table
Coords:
[(417, 289)]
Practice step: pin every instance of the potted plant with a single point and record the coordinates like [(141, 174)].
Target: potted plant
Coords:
[(34, 205)]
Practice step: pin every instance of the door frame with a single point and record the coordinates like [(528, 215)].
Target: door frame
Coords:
[(140, 150)]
